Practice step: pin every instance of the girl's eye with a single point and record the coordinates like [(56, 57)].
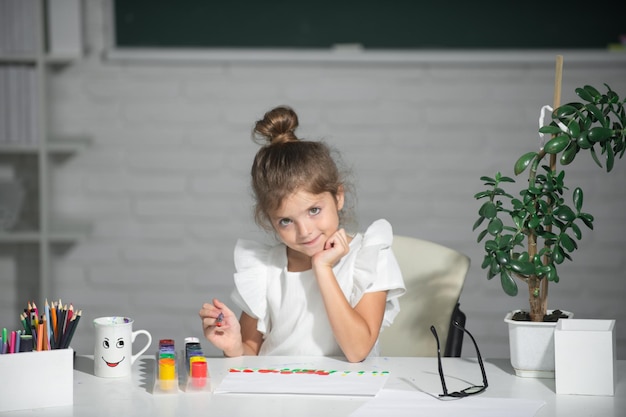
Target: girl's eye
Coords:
[(284, 222), (315, 210)]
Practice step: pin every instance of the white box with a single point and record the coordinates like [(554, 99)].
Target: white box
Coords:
[(584, 355), (36, 379)]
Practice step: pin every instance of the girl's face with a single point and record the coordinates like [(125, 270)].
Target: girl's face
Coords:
[(305, 221)]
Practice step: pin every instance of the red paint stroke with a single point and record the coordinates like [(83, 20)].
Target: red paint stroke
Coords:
[(299, 371)]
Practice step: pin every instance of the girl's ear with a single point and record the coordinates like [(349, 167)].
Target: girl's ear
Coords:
[(340, 198)]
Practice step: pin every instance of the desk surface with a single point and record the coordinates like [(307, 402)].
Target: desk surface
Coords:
[(133, 396)]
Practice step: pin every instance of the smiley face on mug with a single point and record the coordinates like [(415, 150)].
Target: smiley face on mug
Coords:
[(113, 353)]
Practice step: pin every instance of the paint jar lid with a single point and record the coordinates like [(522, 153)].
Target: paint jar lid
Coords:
[(166, 343), (192, 339)]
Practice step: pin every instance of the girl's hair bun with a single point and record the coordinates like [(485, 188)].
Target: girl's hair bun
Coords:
[(277, 126)]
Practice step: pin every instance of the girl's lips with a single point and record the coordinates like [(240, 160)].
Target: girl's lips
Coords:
[(311, 242)]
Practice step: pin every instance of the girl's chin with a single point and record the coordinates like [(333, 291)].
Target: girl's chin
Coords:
[(309, 250)]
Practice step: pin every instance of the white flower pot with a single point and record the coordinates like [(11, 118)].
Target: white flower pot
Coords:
[(532, 347)]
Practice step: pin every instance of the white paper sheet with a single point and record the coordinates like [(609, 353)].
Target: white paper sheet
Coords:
[(412, 403), (300, 381)]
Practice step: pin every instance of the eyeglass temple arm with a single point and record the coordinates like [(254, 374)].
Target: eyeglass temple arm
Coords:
[(443, 381), (480, 359)]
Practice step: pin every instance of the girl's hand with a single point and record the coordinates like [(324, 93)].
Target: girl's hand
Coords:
[(336, 247), (221, 327)]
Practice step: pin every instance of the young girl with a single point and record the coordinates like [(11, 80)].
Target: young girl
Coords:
[(321, 291)]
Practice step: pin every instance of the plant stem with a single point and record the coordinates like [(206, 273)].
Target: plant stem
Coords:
[(538, 288)]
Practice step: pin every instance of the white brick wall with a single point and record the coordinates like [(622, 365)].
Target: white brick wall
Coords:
[(165, 183)]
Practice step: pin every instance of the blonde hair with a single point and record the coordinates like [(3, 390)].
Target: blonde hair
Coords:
[(286, 164)]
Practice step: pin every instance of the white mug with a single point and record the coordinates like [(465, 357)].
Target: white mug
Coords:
[(113, 348)]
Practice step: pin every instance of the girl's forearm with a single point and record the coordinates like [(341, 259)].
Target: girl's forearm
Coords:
[(355, 334)]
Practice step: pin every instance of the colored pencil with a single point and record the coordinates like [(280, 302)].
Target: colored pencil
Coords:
[(53, 325), (73, 324), (61, 319), (39, 337), (48, 325)]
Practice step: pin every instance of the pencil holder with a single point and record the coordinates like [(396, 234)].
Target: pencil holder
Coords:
[(37, 379)]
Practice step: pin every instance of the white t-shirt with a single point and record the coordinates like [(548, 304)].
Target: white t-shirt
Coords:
[(288, 306)]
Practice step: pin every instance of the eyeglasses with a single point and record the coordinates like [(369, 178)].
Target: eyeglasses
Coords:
[(474, 389)]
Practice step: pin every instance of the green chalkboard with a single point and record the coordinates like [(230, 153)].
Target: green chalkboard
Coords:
[(374, 24)]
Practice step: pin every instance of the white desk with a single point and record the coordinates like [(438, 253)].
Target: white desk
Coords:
[(133, 396)]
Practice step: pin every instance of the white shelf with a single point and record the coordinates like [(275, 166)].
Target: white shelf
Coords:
[(70, 233), (26, 143), (53, 146)]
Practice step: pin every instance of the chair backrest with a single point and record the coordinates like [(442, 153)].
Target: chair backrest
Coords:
[(433, 276)]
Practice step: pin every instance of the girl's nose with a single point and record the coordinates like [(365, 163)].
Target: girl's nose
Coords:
[(303, 228)]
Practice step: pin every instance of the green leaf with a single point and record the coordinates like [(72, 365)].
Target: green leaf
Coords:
[(523, 257), (583, 142), (551, 274), (502, 257), (558, 255), (584, 94), (569, 153), (567, 242), (491, 246), (488, 180), (478, 222), (578, 198), (595, 157), (486, 262), (594, 93), (593, 109), (523, 268), (587, 219), (600, 134), (481, 235), (542, 270), (557, 144), (551, 129), (508, 283), (574, 128), (482, 194), (610, 159), (565, 110), (564, 213), (577, 232), (523, 162), (488, 210), (495, 226), (534, 221), (495, 268)]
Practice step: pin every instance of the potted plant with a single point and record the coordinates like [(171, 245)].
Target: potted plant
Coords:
[(527, 237)]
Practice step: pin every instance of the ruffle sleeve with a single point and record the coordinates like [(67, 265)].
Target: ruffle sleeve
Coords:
[(376, 269), (252, 267)]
